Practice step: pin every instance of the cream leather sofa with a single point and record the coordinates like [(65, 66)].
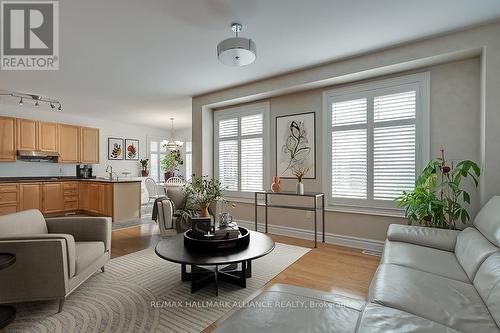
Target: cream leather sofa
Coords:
[(54, 256), (429, 280)]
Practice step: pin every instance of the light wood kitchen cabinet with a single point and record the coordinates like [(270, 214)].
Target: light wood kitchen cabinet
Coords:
[(93, 198), (71, 196), (30, 196), (106, 199), (48, 138), (89, 147), (8, 198), (7, 139), (69, 143), (27, 134), (83, 197), (53, 198)]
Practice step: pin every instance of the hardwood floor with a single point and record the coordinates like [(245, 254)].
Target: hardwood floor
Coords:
[(331, 268)]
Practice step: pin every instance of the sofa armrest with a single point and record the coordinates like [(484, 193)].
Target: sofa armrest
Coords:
[(69, 245), (165, 216), (83, 228), (442, 239), (40, 272)]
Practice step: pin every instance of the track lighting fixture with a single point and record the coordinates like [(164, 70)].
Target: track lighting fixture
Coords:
[(37, 98)]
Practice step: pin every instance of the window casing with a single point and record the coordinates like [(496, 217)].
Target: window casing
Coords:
[(189, 160), (377, 139), (157, 153), (241, 149)]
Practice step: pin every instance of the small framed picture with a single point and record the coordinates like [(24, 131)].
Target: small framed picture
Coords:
[(200, 226), (131, 149), (115, 149)]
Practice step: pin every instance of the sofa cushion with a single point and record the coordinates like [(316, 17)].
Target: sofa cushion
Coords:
[(442, 239), (87, 253), (472, 249), (449, 302), (284, 308), (381, 319), (423, 258), (25, 222), (487, 221), (487, 282)]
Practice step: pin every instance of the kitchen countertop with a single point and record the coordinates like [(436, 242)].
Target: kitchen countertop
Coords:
[(4, 180)]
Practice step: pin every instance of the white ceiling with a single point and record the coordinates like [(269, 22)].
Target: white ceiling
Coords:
[(141, 61)]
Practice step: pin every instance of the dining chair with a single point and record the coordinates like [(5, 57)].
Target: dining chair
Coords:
[(152, 189), (174, 181)]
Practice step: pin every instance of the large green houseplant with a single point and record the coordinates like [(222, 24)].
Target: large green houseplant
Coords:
[(203, 191), (171, 163), (439, 198)]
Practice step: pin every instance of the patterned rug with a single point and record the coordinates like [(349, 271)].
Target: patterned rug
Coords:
[(140, 292)]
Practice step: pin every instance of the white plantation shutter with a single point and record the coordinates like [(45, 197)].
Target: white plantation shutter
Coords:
[(228, 164), (349, 179), (240, 154), (394, 150), (374, 142), (252, 164)]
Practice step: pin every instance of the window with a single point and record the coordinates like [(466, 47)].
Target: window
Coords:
[(156, 155), (378, 137), (240, 153), (189, 160)]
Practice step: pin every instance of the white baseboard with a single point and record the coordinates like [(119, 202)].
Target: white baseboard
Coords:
[(330, 238)]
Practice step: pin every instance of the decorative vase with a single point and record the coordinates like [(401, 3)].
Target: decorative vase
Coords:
[(300, 188), (145, 173), (204, 210), (276, 185)]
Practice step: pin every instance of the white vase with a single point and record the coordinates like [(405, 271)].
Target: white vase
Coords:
[(300, 188)]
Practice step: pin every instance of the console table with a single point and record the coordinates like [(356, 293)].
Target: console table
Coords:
[(314, 195)]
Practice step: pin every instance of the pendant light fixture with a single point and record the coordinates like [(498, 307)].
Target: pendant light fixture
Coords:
[(237, 51), (171, 143)]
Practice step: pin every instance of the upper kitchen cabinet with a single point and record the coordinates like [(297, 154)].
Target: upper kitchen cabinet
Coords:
[(7, 139), (48, 138), (69, 143), (27, 134), (89, 151)]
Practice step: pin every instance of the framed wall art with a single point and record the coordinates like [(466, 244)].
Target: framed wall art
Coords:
[(115, 149), (131, 149), (296, 145)]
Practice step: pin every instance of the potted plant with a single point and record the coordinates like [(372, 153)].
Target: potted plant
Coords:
[(171, 163), (203, 191), (438, 198), (144, 167)]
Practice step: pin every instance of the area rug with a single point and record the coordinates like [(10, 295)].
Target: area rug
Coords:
[(140, 292)]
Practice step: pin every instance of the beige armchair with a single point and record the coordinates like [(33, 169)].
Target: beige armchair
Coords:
[(53, 256)]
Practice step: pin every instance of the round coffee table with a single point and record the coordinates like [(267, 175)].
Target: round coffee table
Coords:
[(173, 249), (7, 313)]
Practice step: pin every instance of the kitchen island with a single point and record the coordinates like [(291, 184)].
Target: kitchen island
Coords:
[(60, 196)]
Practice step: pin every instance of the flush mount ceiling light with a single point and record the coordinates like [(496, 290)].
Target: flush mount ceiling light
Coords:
[(38, 99), (236, 51)]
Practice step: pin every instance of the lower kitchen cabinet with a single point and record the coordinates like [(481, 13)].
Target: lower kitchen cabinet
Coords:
[(53, 198), (30, 196), (8, 198)]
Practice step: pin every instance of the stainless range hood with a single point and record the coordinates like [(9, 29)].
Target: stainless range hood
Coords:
[(37, 156)]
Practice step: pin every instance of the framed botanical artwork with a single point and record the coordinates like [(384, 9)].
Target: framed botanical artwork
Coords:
[(115, 149), (131, 149), (296, 145)]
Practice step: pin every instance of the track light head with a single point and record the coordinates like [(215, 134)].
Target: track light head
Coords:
[(21, 101), (60, 107), (36, 103), (52, 105)]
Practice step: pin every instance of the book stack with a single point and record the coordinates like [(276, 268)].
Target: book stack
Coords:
[(230, 231)]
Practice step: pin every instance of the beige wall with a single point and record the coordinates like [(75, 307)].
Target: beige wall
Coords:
[(464, 118), (454, 126)]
